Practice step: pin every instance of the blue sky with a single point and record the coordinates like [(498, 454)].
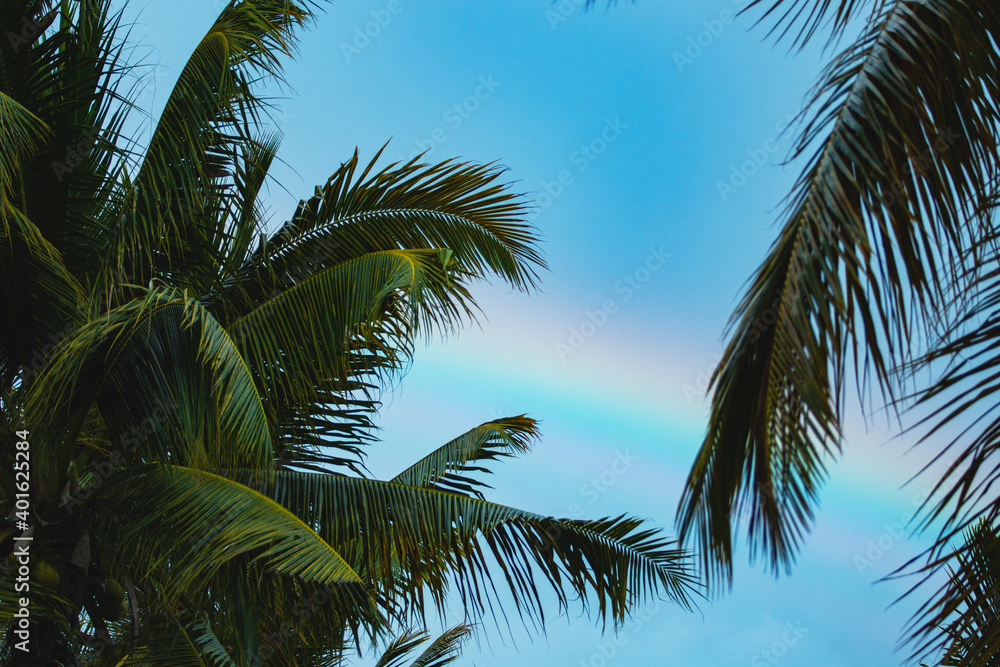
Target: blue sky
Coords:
[(650, 136)]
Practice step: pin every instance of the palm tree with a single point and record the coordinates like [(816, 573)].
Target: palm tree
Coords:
[(884, 268), (187, 388)]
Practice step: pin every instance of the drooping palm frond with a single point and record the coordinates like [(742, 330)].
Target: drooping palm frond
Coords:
[(963, 395), (175, 507), (404, 540), (170, 385), (448, 468), (885, 216)]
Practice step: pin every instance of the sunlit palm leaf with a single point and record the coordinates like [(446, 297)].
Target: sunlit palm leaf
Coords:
[(136, 364), (176, 507)]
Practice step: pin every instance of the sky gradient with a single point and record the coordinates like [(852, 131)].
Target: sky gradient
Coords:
[(650, 137)]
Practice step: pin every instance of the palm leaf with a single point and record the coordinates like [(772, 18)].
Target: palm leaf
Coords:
[(127, 365), (447, 468), (453, 205), (809, 16), (446, 649), (963, 616), (404, 539), (879, 225), (171, 508), (208, 126), (443, 651), (328, 336)]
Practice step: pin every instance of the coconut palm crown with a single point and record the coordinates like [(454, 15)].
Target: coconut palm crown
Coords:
[(187, 385)]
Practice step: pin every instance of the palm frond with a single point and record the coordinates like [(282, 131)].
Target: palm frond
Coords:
[(879, 224), (208, 129), (171, 508), (451, 205), (808, 16), (69, 75), (443, 651), (323, 339), (405, 539), (135, 364), (401, 647), (963, 616), (448, 468)]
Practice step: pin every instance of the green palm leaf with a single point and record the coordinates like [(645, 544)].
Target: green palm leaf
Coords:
[(208, 124), (173, 507), (127, 364), (447, 468), (405, 539), (443, 651), (453, 205), (333, 333)]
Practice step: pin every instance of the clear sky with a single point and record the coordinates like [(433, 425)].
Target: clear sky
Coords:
[(630, 127)]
